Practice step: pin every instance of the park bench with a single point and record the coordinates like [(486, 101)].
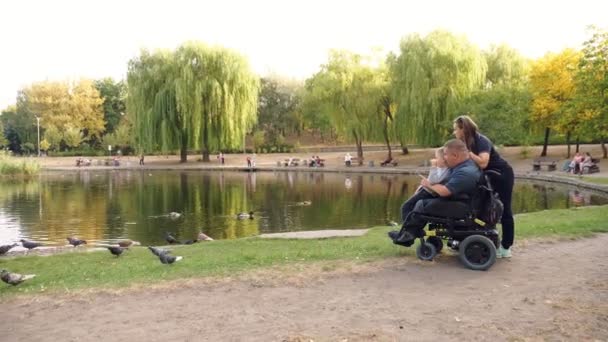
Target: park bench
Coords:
[(550, 163), (592, 168), (355, 160), (392, 162), (317, 162), (83, 162), (111, 162), (291, 162)]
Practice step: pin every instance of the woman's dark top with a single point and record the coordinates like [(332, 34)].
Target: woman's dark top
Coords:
[(483, 144)]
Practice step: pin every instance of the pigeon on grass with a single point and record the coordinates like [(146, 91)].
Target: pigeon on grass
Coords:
[(14, 278), (75, 241), (5, 248)]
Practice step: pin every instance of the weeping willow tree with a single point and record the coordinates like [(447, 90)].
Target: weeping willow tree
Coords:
[(152, 103), (218, 87), (350, 92), (195, 97), (430, 76)]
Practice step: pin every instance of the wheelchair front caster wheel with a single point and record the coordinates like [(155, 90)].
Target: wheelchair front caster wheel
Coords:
[(435, 241), (426, 251)]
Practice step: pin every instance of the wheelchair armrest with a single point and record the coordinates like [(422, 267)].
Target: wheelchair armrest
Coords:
[(492, 173), (460, 198)]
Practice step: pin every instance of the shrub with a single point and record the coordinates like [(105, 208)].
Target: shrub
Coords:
[(11, 166)]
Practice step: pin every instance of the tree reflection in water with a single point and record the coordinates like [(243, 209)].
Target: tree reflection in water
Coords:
[(107, 206)]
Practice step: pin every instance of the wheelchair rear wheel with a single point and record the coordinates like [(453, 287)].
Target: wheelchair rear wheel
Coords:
[(477, 252)]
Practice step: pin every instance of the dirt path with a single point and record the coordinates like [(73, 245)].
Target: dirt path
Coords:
[(549, 291)]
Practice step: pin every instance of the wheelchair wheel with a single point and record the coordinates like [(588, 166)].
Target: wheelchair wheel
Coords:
[(426, 251), (435, 241), (477, 252)]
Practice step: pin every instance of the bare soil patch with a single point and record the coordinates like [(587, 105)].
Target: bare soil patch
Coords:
[(548, 291)]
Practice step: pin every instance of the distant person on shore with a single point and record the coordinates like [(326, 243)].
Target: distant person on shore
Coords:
[(586, 163), (248, 162), (348, 159), (575, 164), (141, 159)]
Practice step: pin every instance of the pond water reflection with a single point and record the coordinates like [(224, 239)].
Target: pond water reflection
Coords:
[(104, 206)]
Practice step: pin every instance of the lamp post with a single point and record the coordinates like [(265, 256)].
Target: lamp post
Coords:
[(38, 125)]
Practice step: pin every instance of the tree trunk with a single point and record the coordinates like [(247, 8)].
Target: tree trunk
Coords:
[(183, 150), (404, 149), (359, 148), (205, 147), (577, 144), (360, 151), (568, 143), (388, 143), (544, 152)]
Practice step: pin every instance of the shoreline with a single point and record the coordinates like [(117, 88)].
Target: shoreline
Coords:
[(519, 157), (545, 176)]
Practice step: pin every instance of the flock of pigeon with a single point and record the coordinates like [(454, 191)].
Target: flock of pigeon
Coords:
[(164, 255)]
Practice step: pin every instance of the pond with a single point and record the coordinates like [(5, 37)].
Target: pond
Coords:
[(105, 206)]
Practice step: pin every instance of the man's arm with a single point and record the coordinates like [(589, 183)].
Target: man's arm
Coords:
[(440, 189)]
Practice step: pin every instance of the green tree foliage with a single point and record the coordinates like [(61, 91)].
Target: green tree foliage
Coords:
[(19, 127), (277, 108), (502, 107), (150, 101), (430, 75), (53, 137), (502, 113), (314, 118), (592, 84), (349, 91), (196, 96), (3, 140), (506, 66), (387, 104), (44, 145), (258, 139), (72, 137), (121, 137), (114, 94)]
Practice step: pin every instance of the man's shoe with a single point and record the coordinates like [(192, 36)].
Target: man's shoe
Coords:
[(404, 243), (405, 237), (393, 234), (503, 252)]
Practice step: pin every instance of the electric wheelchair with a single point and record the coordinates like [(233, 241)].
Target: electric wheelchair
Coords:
[(469, 227)]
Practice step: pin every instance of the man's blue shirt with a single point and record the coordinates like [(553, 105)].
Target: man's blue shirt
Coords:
[(463, 178)]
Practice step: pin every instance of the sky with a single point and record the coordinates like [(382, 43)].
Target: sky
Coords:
[(67, 40)]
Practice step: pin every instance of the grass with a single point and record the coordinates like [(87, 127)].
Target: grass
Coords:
[(596, 180), (73, 271), (11, 166)]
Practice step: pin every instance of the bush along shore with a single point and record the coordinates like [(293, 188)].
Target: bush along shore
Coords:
[(101, 270), (15, 167)]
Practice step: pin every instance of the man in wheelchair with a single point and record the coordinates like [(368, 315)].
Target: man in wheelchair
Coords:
[(451, 198)]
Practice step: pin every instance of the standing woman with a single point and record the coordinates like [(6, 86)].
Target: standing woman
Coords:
[(483, 153)]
